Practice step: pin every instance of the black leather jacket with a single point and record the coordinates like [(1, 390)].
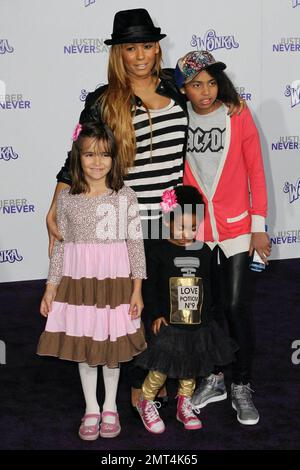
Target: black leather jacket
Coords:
[(91, 111)]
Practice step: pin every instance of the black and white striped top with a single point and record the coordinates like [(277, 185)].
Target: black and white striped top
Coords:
[(149, 177)]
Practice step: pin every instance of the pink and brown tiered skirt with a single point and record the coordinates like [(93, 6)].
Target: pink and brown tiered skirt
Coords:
[(89, 320)]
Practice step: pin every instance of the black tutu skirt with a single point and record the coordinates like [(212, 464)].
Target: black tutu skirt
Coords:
[(181, 353)]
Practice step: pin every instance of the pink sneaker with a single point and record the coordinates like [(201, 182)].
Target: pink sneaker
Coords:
[(186, 415), (110, 427), (150, 416), (89, 433)]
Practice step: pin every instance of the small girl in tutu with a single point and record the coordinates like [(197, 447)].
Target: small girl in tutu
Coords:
[(187, 343), (93, 299)]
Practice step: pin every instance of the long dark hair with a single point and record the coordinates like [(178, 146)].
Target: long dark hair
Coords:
[(116, 105), (99, 132), (226, 90)]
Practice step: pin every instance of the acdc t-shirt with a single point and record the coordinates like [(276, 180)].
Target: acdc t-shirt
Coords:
[(206, 138)]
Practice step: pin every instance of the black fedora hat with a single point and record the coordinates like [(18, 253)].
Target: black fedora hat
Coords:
[(133, 26)]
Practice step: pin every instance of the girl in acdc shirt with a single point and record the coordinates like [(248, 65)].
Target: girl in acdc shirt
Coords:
[(187, 343), (224, 162)]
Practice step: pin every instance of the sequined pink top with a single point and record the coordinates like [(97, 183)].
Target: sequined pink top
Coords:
[(109, 218)]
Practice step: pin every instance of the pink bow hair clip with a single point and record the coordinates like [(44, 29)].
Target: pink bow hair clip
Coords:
[(169, 201), (76, 132)]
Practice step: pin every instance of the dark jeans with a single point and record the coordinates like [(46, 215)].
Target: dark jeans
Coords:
[(230, 283)]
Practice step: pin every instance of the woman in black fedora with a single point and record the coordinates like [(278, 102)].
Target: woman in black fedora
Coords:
[(148, 116)]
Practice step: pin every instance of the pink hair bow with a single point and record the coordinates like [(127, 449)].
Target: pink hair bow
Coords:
[(169, 201), (76, 132)]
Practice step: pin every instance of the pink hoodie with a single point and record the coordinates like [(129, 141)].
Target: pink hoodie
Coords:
[(229, 206)]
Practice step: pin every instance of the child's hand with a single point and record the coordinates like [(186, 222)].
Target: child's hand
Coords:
[(136, 305), (236, 109), (260, 242), (47, 299), (157, 324)]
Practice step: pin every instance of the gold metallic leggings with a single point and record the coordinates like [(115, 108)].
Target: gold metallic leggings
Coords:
[(155, 380)]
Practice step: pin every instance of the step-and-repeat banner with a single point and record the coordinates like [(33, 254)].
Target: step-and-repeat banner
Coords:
[(52, 53)]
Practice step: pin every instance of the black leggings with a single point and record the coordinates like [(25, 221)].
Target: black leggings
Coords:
[(230, 283)]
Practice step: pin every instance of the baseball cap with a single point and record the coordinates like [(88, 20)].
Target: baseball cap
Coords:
[(192, 63)]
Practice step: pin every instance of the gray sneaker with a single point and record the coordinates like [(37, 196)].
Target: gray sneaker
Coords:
[(211, 389), (242, 403)]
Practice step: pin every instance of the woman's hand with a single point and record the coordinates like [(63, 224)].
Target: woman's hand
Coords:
[(48, 297), (53, 232), (156, 325), (136, 304), (236, 109), (260, 242), (52, 228)]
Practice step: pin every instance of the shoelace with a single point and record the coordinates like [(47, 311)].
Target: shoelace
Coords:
[(211, 380), (243, 393), (151, 410), (188, 410)]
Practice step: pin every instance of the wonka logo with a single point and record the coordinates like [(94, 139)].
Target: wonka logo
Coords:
[(84, 92), (83, 95), (7, 153), (211, 41), (293, 91), (293, 190), (5, 47), (87, 3), (10, 256)]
